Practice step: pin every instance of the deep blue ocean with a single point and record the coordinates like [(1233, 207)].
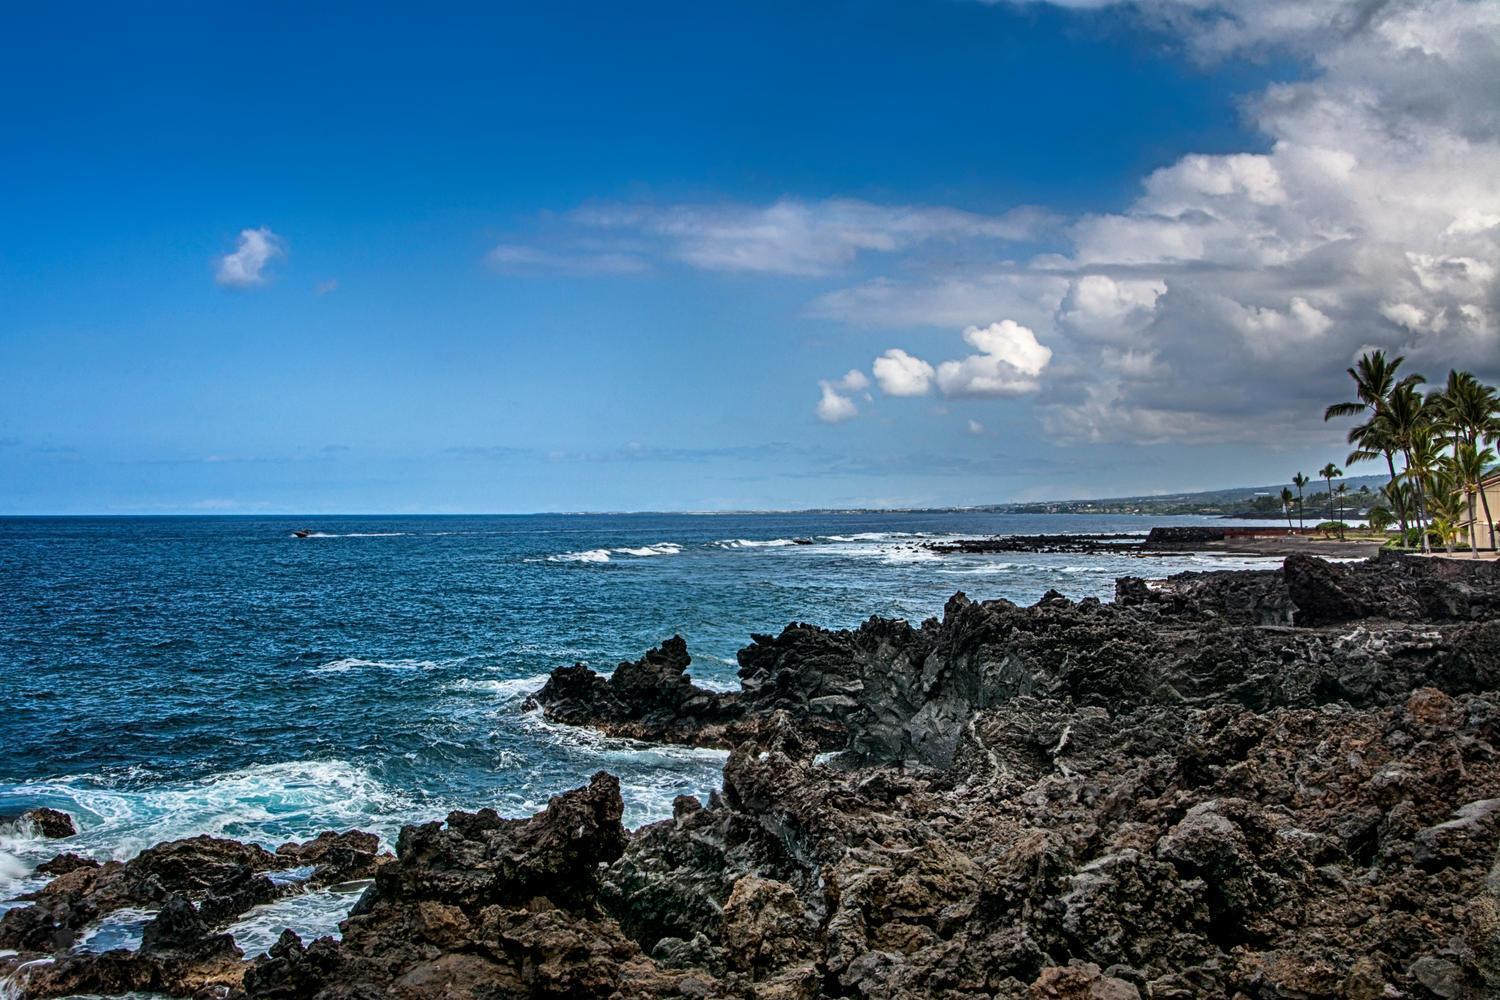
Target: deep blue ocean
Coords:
[(168, 676)]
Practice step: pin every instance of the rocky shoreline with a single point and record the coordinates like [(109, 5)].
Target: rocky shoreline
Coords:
[(1229, 541), (1269, 784)]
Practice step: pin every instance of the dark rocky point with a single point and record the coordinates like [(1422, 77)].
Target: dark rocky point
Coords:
[(44, 822)]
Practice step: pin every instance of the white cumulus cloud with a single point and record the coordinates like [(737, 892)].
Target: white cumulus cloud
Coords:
[(1009, 361), (900, 374), (1098, 307), (854, 380), (246, 266), (833, 406), (1224, 302)]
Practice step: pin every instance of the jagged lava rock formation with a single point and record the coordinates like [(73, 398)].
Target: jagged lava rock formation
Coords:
[(197, 886), (1280, 784), (889, 692)]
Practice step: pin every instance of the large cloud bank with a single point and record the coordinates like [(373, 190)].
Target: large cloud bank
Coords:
[(1226, 300)]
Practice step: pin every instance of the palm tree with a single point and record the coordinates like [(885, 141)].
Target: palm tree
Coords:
[(1328, 472), (1424, 461), (1380, 518), (1374, 380), (1286, 506), (1398, 496), (1471, 412), (1299, 481), (1446, 502), (1343, 488), (1404, 421), (1467, 464)]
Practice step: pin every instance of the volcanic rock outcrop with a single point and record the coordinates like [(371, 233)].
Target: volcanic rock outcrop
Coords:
[(1282, 784), (43, 822), (889, 692), (197, 886)]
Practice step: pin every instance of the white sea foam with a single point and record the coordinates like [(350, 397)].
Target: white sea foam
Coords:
[(902, 554), (750, 543), (310, 915), (712, 684), (13, 872), (877, 536), (266, 804), (988, 569), (12, 986), (651, 775), (354, 663), (506, 689), (119, 929)]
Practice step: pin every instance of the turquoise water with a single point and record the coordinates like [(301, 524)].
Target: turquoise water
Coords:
[(162, 677)]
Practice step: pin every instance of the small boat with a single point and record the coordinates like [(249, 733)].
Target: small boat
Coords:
[(302, 533)]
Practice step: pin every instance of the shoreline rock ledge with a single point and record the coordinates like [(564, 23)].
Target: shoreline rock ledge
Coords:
[(1252, 785)]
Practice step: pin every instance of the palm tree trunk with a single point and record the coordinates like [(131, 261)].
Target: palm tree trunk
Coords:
[(1302, 527), (1390, 464), (1418, 501), (1473, 534), (1422, 515), (1488, 518)]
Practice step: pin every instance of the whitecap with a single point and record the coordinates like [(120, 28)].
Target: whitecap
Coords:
[(646, 551), (749, 543), (587, 556)]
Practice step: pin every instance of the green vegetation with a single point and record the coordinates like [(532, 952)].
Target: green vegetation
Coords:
[(1258, 502), (1443, 440)]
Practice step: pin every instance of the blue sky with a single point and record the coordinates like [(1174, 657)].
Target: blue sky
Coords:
[(585, 256)]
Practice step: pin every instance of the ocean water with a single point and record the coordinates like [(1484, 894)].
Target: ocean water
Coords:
[(164, 677)]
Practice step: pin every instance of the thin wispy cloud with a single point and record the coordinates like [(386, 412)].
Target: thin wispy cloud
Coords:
[(791, 236), (520, 259)]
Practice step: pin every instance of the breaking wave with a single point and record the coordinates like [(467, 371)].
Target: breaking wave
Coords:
[(603, 555), (509, 689), (749, 543), (659, 549), (587, 556), (267, 804)]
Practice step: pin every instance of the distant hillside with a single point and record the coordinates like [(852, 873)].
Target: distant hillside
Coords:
[(1250, 501)]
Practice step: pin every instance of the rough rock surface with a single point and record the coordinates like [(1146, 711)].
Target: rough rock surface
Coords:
[(50, 823), (197, 886), (483, 907), (1253, 786), (1057, 544), (889, 692)]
